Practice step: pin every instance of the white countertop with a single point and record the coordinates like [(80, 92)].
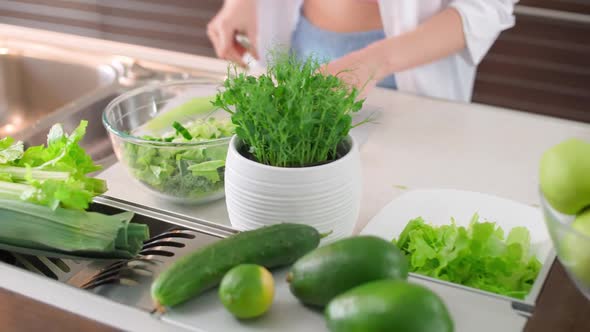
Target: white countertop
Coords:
[(425, 143)]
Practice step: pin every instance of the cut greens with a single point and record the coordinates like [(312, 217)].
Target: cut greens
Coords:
[(87, 234), (188, 171), (53, 175), (477, 256)]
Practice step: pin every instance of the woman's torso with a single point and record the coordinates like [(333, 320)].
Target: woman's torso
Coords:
[(328, 30), (343, 15), (448, 78)]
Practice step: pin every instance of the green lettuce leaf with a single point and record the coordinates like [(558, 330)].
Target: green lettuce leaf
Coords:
[(63, 152), (70, 194), (183, 172), (208, 170), (53, 175), (477, 256), (9, 150)]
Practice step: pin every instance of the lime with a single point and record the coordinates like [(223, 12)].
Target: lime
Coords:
[(388, 305), (247, 290)]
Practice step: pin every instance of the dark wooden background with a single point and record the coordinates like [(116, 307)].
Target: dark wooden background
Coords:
[(542, 65)]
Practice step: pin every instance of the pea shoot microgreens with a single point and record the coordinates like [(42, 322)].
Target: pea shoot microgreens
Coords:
[(294, 115)]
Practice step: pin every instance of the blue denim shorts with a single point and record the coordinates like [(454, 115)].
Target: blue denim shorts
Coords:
[(309, 40)]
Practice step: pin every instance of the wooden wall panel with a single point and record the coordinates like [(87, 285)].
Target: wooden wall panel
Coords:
[(174, 24), (574, 6), (542, 65)]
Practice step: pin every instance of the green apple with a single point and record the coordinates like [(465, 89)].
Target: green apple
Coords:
[(565, 176), (576, 249)]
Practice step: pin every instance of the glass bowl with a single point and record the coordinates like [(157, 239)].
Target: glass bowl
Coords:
[(180, 171), (572, 246)]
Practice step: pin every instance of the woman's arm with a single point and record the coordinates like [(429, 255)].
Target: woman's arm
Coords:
[(235, 16), (436, 38)]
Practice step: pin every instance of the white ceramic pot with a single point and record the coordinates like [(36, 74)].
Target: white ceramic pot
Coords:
[(325, 196)]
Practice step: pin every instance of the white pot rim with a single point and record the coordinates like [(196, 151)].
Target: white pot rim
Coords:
[(353, 146)]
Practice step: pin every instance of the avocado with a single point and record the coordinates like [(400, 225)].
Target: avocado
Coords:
[(328, 271), (388, 306)]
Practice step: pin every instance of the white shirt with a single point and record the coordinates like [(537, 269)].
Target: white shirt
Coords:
[(448, 78)]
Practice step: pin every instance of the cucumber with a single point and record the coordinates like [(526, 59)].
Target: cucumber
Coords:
[(388, 305), (326, 272), (271, 246)]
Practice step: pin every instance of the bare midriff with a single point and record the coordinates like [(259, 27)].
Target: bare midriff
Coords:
[(343, 15)]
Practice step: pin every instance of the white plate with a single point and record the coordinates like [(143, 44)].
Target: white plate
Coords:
[(438, 206)]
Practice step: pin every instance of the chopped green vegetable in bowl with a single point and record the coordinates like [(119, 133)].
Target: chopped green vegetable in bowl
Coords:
[(192, 172), (172, 139), (477, 256)]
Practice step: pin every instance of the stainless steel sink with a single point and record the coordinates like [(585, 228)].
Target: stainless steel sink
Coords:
[(42, 85), (127, 281), (37, 81)]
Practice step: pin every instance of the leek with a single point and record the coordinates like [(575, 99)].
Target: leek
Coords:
[(76, 232)]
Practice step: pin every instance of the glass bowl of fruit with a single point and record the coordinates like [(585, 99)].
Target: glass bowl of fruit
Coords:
[(565, 201), (171, 139)]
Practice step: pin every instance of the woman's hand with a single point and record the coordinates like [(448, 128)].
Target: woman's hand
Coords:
[(361, 69), (438, 37), (236, 16)]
